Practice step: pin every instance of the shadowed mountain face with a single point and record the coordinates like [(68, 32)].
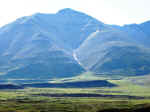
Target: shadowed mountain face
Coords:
[(115, 52), (67, 43)]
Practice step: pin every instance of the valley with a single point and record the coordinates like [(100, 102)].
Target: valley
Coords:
[(71, 62), (127, 95)]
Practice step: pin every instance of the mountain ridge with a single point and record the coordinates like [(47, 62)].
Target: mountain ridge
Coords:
[(68, 43)]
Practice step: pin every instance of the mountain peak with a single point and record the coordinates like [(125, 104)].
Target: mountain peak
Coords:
[(66, 10), (70, 12)]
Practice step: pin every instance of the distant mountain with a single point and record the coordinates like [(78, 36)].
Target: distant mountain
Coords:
[(65, 44)]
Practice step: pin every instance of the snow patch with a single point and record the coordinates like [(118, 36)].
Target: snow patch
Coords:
[(93, 34), (76, 58)]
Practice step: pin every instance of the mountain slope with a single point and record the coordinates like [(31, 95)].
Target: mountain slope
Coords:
[(116, 52), (69, 42), (69, 26), (32, 48)]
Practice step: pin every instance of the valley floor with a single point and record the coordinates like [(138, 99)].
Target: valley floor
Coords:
[(70, 104), (131, 95)]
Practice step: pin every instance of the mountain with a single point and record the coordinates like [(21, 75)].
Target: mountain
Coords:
[(67, 43), (41, 45), (119, 51)]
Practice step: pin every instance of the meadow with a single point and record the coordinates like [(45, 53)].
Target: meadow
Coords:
[(130, 95)]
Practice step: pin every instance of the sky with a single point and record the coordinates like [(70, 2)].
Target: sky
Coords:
[(117, 12)]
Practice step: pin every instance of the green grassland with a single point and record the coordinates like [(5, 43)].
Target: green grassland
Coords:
[(27, 103), (33, 100), (136, 86)]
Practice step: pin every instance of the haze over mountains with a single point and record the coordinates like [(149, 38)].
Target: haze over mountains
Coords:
[(69, 43)]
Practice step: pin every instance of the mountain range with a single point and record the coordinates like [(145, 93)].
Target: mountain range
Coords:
[(68, 43)]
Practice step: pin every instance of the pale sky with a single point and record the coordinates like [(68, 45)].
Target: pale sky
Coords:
[(108, 11)]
